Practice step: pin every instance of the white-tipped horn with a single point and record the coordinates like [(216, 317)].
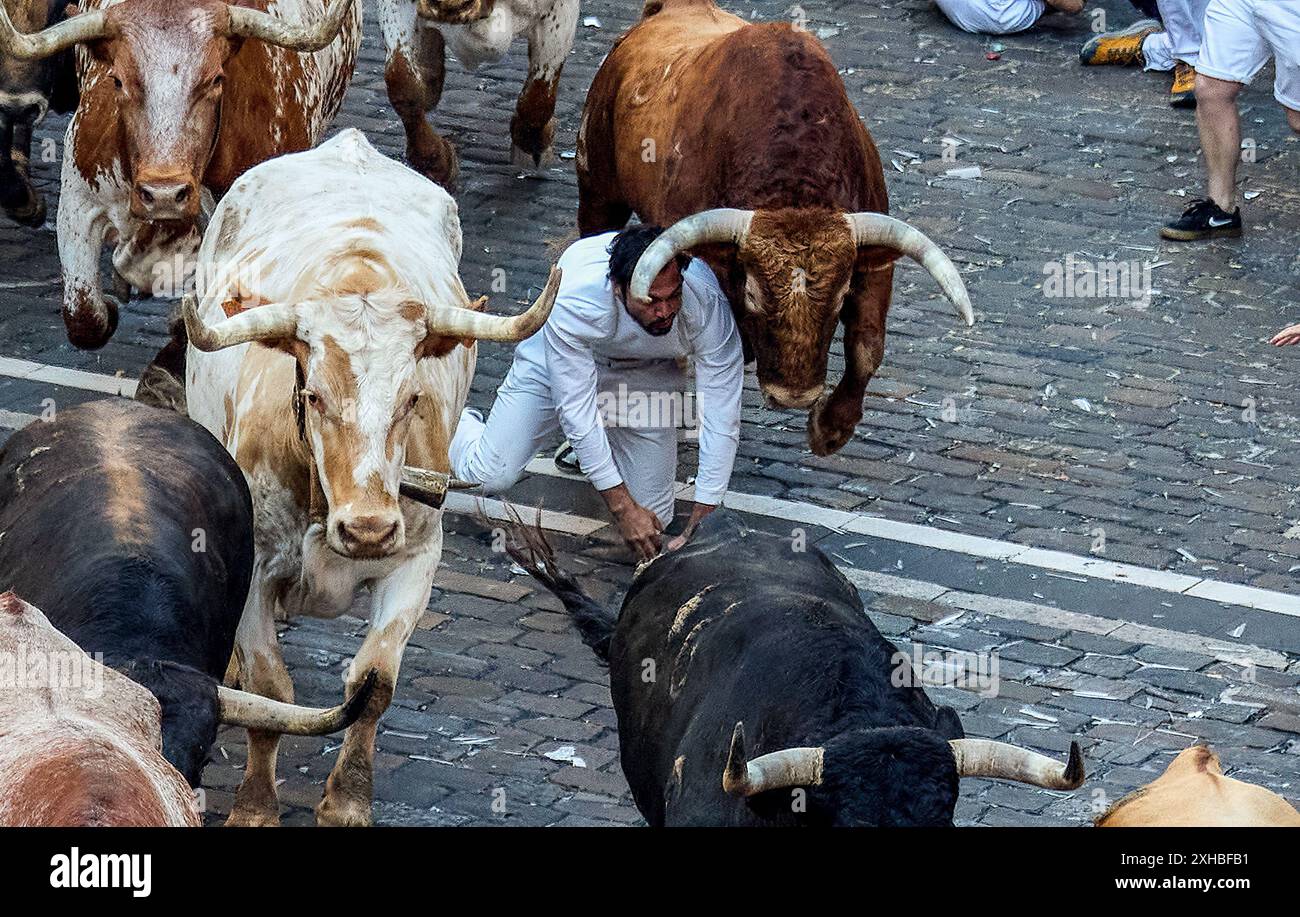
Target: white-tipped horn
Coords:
[(467, 323), (725, 224), (82, 27), (252, 711), (986, 758), (296, 36), (260, 323), (773, 771), (878, 229)]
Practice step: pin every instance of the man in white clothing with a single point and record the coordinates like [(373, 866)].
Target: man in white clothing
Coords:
[(1002, 17), (609, 375)]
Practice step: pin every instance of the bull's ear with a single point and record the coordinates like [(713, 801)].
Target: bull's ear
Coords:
[(242, 301)]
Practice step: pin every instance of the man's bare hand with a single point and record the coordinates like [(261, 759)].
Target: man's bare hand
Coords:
[(1286, 337), (697, 515), (641, 530)]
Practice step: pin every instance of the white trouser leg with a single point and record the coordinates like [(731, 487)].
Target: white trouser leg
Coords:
[(643, 437), (494, 454), (1157, 52), (994, 17), (1184, 21)]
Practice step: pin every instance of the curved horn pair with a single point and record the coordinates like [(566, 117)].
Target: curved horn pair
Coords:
[(252, 711), (974, 758), (243, 23), (280, 320), (731, 226)]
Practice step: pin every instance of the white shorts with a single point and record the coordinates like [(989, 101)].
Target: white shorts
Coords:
[(993, 17), (1240, 37)]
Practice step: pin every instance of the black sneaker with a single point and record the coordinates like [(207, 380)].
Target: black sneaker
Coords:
[(1203, 220), (566, 459)]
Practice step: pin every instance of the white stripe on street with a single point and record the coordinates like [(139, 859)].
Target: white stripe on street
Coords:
[(806, 514)]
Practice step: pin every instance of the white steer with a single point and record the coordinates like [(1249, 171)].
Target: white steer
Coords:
[(332, 342)]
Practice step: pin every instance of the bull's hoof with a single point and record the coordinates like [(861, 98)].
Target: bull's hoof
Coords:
[(830, 429), (531, 146), (436, 162), (337, 811), (31, 214), (91, 329), (251, 817), (523, 159)]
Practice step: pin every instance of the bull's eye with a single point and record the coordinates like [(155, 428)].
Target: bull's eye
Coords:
[(217, 82), (414, 400), (117, 82), (313, 400)]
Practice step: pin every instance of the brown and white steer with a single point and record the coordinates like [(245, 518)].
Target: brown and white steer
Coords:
[(82, 743), (478, 32), (744, 133), (1193, 793), (178, 99), (343, 350)]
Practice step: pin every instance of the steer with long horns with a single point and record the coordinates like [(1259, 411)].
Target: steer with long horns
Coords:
[(178, 99), (332, 351), (130, 527), (752, 689), (741, 138)]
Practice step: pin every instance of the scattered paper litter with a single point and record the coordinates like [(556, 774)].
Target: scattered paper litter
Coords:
[(567, 754)]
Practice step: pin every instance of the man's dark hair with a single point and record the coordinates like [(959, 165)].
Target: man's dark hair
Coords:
[(626, 250)]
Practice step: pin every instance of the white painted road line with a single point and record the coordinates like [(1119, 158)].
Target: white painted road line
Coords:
[(68, 378), (808, 514)]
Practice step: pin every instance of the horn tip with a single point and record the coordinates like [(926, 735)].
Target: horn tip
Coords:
[(360, 698), (1074, 774), (735, 774)]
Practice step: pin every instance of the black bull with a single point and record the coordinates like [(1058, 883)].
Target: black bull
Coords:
[(740, 627), (28, 89), (132, 529)]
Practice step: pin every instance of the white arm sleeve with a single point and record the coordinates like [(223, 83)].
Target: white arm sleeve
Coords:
[(719, 380), (573, 386)]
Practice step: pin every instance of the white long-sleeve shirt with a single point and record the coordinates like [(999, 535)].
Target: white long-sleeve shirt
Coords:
[(588, 324)]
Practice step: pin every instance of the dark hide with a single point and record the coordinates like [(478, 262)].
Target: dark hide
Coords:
[(131, 528), (738, 626)]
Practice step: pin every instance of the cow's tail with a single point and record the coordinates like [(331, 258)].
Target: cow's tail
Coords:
[(528, 546)]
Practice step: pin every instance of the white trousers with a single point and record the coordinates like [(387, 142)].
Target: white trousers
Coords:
[(1241, 36), (523, 420), (994, 17), (1181, 40)]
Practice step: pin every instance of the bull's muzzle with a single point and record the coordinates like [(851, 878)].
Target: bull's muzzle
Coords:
[(165, 197)]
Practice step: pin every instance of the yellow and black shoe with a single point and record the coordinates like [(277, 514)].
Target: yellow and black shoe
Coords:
[(1121, 47), (1183, 93)]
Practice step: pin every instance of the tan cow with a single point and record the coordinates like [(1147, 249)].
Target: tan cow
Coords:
[(80, 744), (335, 343), (1193, 793)]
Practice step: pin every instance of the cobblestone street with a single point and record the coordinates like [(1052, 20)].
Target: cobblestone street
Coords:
[(1156, 430)]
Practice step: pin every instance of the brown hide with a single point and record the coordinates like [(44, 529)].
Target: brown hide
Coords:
[(696, 109)]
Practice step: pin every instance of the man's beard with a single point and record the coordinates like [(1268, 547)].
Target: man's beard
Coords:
[(660, 328)]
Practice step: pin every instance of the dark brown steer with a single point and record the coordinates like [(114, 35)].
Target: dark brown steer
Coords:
[(742, 139)]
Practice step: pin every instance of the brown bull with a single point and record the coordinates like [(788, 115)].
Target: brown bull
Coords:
[(178, 98), (745, 134), (82, 744), (1193, 793)]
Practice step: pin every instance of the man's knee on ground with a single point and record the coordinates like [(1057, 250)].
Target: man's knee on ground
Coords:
[(497, 481), (1211, 91), (1293, 119)]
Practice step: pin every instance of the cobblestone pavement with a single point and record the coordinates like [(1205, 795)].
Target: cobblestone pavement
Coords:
[(1164, 423)]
